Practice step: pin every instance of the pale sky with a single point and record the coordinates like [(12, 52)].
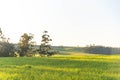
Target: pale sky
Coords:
[(69, 22)]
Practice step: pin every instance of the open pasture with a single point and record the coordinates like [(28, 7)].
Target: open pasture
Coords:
[(61, 67)]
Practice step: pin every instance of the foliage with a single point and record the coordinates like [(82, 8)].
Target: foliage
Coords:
[(98, 49), (83, 67), (6, 48), (88, 49), (45, 47), (26, 45)]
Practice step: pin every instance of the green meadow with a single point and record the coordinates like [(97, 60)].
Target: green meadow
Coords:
[(61, 67)]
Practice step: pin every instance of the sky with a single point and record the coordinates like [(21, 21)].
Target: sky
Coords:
[(68, 22)]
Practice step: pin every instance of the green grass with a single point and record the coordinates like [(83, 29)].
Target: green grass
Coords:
[(61, 67)]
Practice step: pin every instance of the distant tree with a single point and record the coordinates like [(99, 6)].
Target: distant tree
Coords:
[(6, 48), (26, 45), (45, 47), (98, 49)]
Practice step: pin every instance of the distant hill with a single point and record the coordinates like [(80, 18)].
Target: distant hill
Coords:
[(63, 49), (91, 49)]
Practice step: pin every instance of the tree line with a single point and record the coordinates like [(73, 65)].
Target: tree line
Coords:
[(25, 46), (100, 50), (91, 49)]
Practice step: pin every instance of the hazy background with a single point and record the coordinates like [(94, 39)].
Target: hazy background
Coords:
[(69, 22)]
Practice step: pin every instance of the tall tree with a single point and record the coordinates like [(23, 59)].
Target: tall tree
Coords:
[(26, 44), (6, 48), (45, 47)]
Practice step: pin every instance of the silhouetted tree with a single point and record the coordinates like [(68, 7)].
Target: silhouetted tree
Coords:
[(26, 44), (45, 47), (6, 48)]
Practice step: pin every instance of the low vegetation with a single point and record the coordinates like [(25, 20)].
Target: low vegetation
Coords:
[(61, 67)]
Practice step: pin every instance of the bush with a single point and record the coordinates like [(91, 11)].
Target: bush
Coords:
[(6, 49)]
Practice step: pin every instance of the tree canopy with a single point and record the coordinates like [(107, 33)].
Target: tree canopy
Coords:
[(45, 47), (26, 44), (6, 48)]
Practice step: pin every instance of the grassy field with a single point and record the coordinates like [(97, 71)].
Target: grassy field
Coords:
[(61, 67)]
